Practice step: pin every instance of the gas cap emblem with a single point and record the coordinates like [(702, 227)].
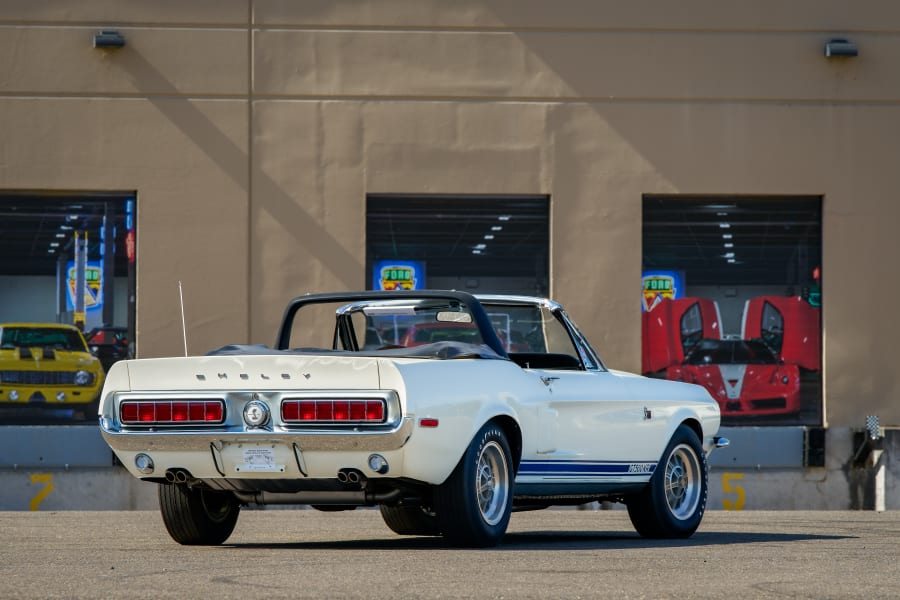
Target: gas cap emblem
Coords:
[(256, 413)]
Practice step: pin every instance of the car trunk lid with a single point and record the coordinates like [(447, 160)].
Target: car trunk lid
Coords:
[(254, 372)]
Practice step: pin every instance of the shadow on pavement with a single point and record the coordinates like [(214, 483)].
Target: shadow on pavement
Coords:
[(554, 540)]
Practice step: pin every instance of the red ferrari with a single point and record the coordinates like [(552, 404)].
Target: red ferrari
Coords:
[(427, 333), (744, 376)]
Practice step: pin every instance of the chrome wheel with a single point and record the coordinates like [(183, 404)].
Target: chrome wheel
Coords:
[(491, 483), (682, 482)]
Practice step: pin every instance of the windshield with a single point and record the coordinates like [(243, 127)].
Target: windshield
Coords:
[(54, 337), (409, 326), (382, 324), (730, 352)]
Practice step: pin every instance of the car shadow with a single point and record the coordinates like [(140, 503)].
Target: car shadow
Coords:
[(552, 541)]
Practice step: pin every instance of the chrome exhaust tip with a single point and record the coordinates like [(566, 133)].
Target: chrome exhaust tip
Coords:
[(176, 476), (350, 475)]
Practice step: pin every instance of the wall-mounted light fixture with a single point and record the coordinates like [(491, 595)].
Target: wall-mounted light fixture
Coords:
[(840, 47), (108, 38)]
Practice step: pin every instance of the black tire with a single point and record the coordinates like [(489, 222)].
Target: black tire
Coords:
[(410, 520), (474, 504), (197, 517), (673, 503)]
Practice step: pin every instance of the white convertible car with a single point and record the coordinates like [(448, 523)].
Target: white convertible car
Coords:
[(446, 410)]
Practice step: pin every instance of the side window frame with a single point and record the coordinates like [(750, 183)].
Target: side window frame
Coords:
[(590, 360)]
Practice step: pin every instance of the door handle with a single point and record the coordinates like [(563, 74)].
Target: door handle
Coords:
[(548, 379)]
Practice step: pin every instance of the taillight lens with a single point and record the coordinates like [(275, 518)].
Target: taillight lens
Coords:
[(332, 411), (168, 412)]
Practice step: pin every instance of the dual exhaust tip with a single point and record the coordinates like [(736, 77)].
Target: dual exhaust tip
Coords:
[(177, 476), (347, 475)]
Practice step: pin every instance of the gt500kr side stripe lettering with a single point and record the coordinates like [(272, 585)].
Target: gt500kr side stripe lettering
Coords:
[(583, 468)]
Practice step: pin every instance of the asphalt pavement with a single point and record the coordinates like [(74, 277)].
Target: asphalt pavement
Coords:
[(546, 554)]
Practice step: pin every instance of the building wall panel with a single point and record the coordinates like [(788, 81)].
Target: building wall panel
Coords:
[(125, 12), (690, 15), (63, 61)]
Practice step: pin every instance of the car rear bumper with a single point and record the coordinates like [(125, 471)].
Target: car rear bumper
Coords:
[(307, 440)]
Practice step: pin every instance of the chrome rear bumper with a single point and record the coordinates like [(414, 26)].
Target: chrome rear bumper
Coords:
[(307, 440)]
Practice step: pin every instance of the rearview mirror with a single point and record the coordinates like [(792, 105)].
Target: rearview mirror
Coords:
[(447, 316)]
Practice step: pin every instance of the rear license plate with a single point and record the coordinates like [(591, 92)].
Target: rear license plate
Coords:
[(257, 459)]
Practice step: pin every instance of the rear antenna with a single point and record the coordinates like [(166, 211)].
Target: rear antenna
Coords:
[(183, 327)]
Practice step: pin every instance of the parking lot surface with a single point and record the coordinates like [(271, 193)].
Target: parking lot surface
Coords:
[(546, 554)]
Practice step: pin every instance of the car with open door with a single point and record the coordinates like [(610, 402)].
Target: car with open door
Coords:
[(446, 437), (789, 325), (745, 377), (671, 327)]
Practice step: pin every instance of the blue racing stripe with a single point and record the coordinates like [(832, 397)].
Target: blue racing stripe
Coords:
[(575, 467)]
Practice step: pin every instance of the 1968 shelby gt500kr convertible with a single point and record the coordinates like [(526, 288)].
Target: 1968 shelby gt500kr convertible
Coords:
[(506, 408)]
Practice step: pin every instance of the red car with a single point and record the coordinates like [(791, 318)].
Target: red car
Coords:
[(789, 325), (744, 376), (427, 333), (671, 327)]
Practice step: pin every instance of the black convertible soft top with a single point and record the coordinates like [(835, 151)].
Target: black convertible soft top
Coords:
[(438, 350)]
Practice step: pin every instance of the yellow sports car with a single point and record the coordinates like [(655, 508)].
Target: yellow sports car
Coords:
[(47, 365)]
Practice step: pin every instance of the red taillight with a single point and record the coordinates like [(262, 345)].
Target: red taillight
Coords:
[(179, 411), (149, 412), (129, 412), (164, 411), (374, 411), (324, 411), (333, 411), (357, 411)]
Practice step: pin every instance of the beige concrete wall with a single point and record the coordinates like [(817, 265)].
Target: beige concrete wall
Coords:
[(166, 117), (252, 132)]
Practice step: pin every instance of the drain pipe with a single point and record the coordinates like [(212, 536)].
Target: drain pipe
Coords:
[(870, 455), (876, 436)]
